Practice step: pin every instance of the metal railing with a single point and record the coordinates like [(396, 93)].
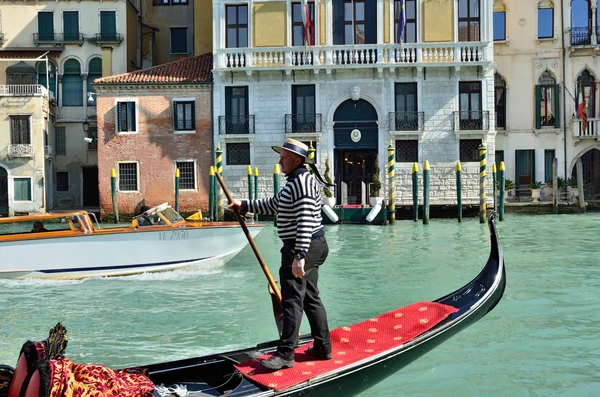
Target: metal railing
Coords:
[(21, 150), (242, 124), (353, 56), (303, 123), (581, 36), (406, 121), (57, 38), (23, 90), (108, 38), (471, 120)]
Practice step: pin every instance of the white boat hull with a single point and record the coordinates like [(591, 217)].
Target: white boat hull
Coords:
[(121, 253)]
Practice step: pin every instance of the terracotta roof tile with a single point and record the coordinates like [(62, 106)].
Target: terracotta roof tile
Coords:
[(196, 69)]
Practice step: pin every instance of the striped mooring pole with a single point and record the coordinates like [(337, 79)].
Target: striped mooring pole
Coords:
[(311, 156), (249, 170), (177, 174), (113, 188), (415, 191), (392, 197), (482, 166), (502, 187), (426, 181), (494, 188), (219, 170), (211, 193), (276, 173), (459, 190)]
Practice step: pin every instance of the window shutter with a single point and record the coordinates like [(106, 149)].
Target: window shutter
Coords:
[(121, 116), (370, 22), (175, 119), (193, 115), (71, 25), (25, 135), (338, 22), (131, 116), (557, 106), (538, 101)]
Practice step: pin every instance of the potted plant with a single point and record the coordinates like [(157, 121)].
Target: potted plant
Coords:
[(508, 188), (535, 190), (375, 185), (329, 199)]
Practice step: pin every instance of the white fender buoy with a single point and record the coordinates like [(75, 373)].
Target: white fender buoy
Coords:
[(373, 213), (330, 214)]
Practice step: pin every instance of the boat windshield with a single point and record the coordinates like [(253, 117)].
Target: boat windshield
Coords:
[(171, 215)]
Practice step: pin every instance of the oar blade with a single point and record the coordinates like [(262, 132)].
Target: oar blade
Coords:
[(277, 310)]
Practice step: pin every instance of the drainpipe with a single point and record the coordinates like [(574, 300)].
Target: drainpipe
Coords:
[(564, 91)]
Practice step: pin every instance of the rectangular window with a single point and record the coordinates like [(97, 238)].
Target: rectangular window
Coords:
[(179, 2), (547, 110), (238, 153), (46, 26), (469, 150), (126, 117), (237, 26), (500, 26), (71, 25), (60, 141), (303, 108), (187, 174), (354, 22), (20, 130), (184, 114), (62, 181), (160, 2), (298, 31), (548, 159), (470, 115), (179, 41), (545, 23), (22, 188), (108, 26), (468, 20), (128, 177), (410, 28), (93, 135), (525, 167), (407, 150), (236, 110), (407, 116)]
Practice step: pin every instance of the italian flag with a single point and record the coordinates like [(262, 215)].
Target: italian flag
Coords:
[(582, 109)]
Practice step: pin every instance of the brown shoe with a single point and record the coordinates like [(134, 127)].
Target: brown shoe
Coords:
[(318, 353), (277, 362)]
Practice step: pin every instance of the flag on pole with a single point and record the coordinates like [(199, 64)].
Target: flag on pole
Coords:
[(401, 22), (582, 109), (306, 22)]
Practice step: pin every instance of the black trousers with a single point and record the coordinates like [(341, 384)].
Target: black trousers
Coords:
[(302, 295)]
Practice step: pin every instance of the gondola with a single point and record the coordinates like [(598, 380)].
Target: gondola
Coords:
[(228, 373)]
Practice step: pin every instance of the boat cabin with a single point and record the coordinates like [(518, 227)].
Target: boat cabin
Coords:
[(162, 215), (74, 221)]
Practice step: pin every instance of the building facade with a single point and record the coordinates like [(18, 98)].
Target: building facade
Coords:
[(152, 122), (547, 67), (351, 83)]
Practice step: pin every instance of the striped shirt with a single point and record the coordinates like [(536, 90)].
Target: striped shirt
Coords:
[(298, 209)]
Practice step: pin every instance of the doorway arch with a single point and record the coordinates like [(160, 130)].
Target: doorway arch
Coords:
[(590, 162), (3, 192), (355, 144)]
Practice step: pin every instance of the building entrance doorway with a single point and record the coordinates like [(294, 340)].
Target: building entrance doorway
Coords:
[(356, 167), (3, 192), (90, 187)]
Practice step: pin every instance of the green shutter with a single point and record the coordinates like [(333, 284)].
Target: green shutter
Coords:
[(538, 100), (533, 166), (108, 25), (71, 25), (46, 26), (557, 106)]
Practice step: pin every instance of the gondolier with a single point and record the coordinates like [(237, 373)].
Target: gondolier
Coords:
[(298, 209)]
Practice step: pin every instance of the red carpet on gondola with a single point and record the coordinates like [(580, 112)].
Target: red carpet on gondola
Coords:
[(353, 343)]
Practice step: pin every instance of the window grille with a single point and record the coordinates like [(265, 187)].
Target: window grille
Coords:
[(407, 151), (187, 174), (128, 177), (60, 141), (20, 130), (469, 150), (62, 181), (238, 153)]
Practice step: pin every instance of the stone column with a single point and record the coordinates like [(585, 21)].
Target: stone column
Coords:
[(84, 80), (539, 166), (59, 93), (594, 28)]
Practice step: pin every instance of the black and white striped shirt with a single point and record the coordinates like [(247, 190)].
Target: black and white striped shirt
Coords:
[(298, 209)]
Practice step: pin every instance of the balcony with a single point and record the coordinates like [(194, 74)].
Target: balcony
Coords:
[(581, 36), (302, 123), (471, 120), (239, 125), (21, 150), (353, 57), (23, 90), (591, 132), (108, 38), (58, 38), (406, 121)]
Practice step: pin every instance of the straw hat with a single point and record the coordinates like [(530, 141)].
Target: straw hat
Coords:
[(296, 147)]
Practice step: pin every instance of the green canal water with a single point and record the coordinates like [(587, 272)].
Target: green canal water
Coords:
[(541, 340)]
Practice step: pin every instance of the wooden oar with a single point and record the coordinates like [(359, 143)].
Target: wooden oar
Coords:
[(273, 289)]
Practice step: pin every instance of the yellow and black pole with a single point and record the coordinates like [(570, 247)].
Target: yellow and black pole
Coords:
[(311, 156), (494, 185), (219, 170), (211, 193), (482, 166), (115, 202), (177, 189), (415, 191), (276, 173), (249, 183), (391, 172)]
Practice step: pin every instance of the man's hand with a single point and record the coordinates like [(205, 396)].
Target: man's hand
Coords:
[(298, 268), (235, 204)]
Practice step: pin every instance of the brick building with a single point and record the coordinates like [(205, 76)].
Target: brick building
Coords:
[(151, 122)]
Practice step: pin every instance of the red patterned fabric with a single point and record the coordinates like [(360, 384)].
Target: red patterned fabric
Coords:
[(68, 379), (353, 343)]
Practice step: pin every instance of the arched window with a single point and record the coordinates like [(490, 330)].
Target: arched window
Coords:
[(72, 84), (545, 19), (581, 22), (41, 71), (500, 101), (547, 108), (587, 83), (94, 72)]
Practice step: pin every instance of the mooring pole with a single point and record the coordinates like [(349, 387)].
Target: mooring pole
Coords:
[(459, 190), (391, 172), (249, 170), (426, 181), (177, 189), (415, 191), (113, 187), (256, 188), (482, 162), (219, 170), (211, 193), (494, 188), (311, 156), (502, 187)]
